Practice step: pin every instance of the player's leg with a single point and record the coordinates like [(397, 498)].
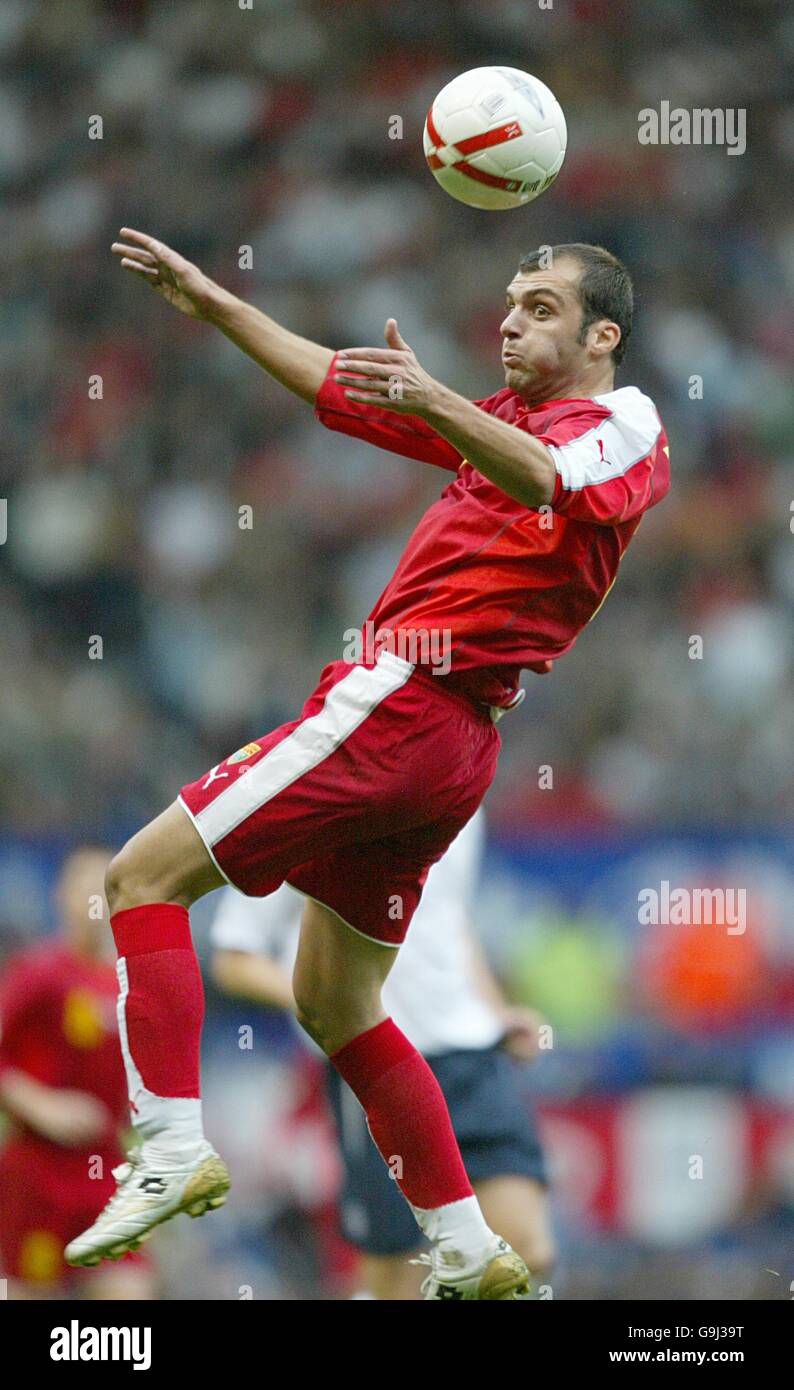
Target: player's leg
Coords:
[(515, 1206), (502, 1153), (338, 978), (493, 1116), (518, 1208), (373, 1215), (150, 885), (391, 1278), (165, 862)]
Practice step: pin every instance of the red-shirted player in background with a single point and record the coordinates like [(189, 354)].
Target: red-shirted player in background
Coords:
[(64, 1095), (355, 800)]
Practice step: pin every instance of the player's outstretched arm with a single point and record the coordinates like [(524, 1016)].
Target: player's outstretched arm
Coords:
[(296, 362)]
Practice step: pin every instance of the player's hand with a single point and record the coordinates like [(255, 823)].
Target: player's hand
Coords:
[(394, 377), (522, 1028), (179, 281), (70, 1118)]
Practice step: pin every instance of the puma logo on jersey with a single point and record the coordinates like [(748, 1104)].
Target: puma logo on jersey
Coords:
[(214, 776)]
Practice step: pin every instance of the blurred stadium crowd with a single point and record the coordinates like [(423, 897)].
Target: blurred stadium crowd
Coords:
[(225, 129)]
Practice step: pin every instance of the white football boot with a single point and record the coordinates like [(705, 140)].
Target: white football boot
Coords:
[(502, 1276), (150, 1190)]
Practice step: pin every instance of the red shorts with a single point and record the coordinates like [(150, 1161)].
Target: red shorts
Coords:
[(353, 802), (44, 1205)]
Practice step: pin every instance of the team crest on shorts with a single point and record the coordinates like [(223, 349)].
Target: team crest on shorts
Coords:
[(246, 752)]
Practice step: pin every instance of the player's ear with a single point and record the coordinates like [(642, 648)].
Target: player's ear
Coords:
[(392, 335), (605, 337)]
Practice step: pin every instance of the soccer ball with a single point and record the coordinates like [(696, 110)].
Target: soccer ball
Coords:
[(495, 137)]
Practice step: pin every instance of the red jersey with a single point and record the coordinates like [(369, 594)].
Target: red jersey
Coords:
[(58, 1025), (514, 585)]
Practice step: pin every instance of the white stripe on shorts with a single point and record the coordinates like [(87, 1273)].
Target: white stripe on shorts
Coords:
[(347, 704)]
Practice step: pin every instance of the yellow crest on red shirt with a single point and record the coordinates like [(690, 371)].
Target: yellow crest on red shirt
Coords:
[(243, 753), (82, 1019)]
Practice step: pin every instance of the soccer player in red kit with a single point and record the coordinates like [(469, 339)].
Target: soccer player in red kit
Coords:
[(64, 1094), (353, 801)]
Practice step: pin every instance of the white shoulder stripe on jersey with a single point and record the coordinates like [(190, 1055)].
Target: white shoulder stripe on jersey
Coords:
[(611, 447), (346, 705)]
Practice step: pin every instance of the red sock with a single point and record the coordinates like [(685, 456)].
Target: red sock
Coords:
[(406, 1113), (163, 1007)]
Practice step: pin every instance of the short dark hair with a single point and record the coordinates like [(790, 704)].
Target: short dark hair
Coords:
[(605, 288)]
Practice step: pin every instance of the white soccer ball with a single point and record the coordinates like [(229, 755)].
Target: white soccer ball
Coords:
[(495, 137)]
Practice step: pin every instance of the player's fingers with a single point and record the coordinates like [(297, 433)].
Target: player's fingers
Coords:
[(393, 336), (348, 379), (370, 369), (135, 253), (149, 271), (139, 238), (367, 397), (157, 249), (371, 354)]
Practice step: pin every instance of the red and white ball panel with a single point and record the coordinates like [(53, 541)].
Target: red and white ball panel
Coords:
[(495, 137)]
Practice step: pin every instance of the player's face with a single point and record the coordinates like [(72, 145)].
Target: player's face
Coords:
[(541, 351), (80, 896)]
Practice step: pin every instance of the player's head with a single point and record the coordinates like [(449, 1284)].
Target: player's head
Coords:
[(569, 315), (80, 900)]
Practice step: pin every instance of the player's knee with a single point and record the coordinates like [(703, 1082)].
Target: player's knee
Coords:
[(116, 879), (322, 1025), (126, 881), (330, 1018), (315, 1015), (310, 1021), (310, 1004)]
